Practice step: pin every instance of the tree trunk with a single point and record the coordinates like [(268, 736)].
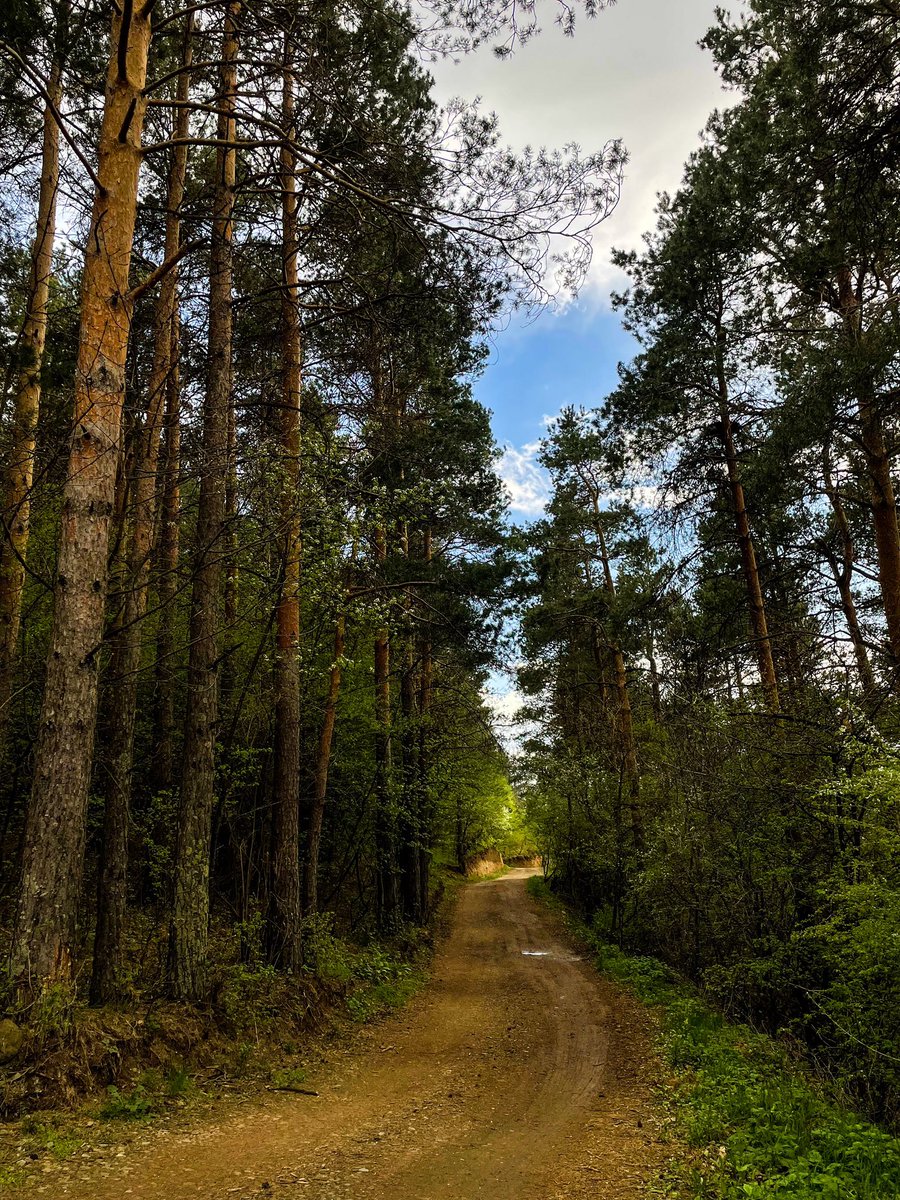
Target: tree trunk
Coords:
[(628, 749), (884, 519), (190, 917), (125, 663), (283, 933), (755, 602), (229, 558), (423, 764), (843, 578), (169, 540), (409, 825), (323, 760), (878, 468), (655, 696), (55, 829), (386, 898), (19, 467)]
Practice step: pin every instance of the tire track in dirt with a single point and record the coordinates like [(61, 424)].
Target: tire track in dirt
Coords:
[(517, 1073)]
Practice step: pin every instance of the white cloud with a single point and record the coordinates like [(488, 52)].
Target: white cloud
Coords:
[(504, 704), (504, 701), (636, 73), (526, 483)]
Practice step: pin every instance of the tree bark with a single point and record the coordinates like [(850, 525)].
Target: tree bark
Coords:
[(19, 467), (323, 761), (125, 662), (410, 822), (755, 601), (423, 764), (878, 468), (169, 542), (229, 560), (283, 932), (190, 917), (628, 749), (884, 518), (843, 577), (55, 828), (655, 695), (387, 899)]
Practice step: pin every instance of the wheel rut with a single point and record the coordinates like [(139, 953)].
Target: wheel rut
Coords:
[(517, 1073)]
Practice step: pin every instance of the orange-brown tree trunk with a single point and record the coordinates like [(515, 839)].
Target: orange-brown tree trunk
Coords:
[(55, 828), (630, 771), (884, 518), (323, 762), (190, 916), (878, 469), (283, 927), (842, 570), (755, 601), (125, 661), (19, 467), (168, 546)]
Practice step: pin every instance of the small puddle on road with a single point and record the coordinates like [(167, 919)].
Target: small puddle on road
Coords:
[(550, 954)]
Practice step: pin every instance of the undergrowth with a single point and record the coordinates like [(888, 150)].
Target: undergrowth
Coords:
[(379, 977), (254, 1029), (754, 1125)]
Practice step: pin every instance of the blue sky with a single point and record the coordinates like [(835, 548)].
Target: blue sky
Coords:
[(636, 72), (564, 358)]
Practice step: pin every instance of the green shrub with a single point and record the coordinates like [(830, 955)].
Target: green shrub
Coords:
[(323, 953), (249, 996), (135, 1105), (386, 980)]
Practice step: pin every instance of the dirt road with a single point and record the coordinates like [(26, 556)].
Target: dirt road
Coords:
[(518, 1073)]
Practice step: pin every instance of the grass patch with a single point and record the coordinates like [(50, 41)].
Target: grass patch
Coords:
[(134, 1105), (49, 1137), (753, 1125), (384, 981)]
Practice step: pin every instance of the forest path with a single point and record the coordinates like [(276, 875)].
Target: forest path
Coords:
[(517, 1073)]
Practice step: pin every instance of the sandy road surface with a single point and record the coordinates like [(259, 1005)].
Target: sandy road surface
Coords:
[(518, 1073)]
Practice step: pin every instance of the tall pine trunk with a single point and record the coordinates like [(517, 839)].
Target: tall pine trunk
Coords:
[(55, 829), (387, 894), (410, 816), (323, 761), (625, 721), (283, 931), (423, 763), (755, 602), (19, 468), (125, 662), (162, 771), (387, 899), (190, 917), (842, 570), (877, 458), (884, 518)]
